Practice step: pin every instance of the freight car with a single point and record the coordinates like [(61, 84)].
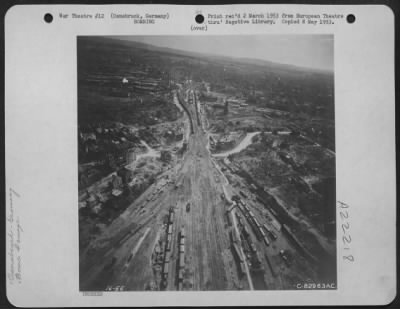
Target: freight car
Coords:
[(181, 260)]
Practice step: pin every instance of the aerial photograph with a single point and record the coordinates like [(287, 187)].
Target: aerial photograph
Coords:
[(206, 163)]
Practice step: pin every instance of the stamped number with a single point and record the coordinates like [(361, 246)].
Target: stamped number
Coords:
[(345, 224)]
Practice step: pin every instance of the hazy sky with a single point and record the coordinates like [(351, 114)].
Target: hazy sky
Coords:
[(313, 51)]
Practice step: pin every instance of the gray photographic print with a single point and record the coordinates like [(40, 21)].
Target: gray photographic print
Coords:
[(206, 163)]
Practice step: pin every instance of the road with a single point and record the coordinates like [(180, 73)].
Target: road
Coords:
[(126, 252), (208, 259), (242, 145)]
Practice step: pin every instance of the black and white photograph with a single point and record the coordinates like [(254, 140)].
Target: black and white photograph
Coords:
[(206, 163), (200, 155)]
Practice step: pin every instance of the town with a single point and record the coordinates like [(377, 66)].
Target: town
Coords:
[(200, 172)]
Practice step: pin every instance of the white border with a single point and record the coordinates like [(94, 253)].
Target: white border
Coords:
[(41, 156)]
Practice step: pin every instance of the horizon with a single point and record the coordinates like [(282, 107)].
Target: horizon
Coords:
[(313, 52)]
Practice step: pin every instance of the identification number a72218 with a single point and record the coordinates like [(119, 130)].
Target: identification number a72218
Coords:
[(345, 227)]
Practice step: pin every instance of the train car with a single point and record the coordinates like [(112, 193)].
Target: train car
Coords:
[(245, 231), (236, 252), (182, 248), (256, 260), (240, 207), (276, 225), (235, 237), (242, 269), (285, 258), (130, 257), (261, 232), (231, 207), (235, 198), (170, 229), (166, 259), (261, 201), (273, 211), (228, 218), (232, 236), (253, 187), (168, 246), (273, 235), (165, 270), (255, 229), (181, 260), (180, 275), (171, 217), (266, 227), (245, 246), (258, 235), (266, 241), (182, 233)]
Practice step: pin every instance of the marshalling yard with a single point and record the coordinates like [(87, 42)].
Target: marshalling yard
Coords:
[(209, 220)]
